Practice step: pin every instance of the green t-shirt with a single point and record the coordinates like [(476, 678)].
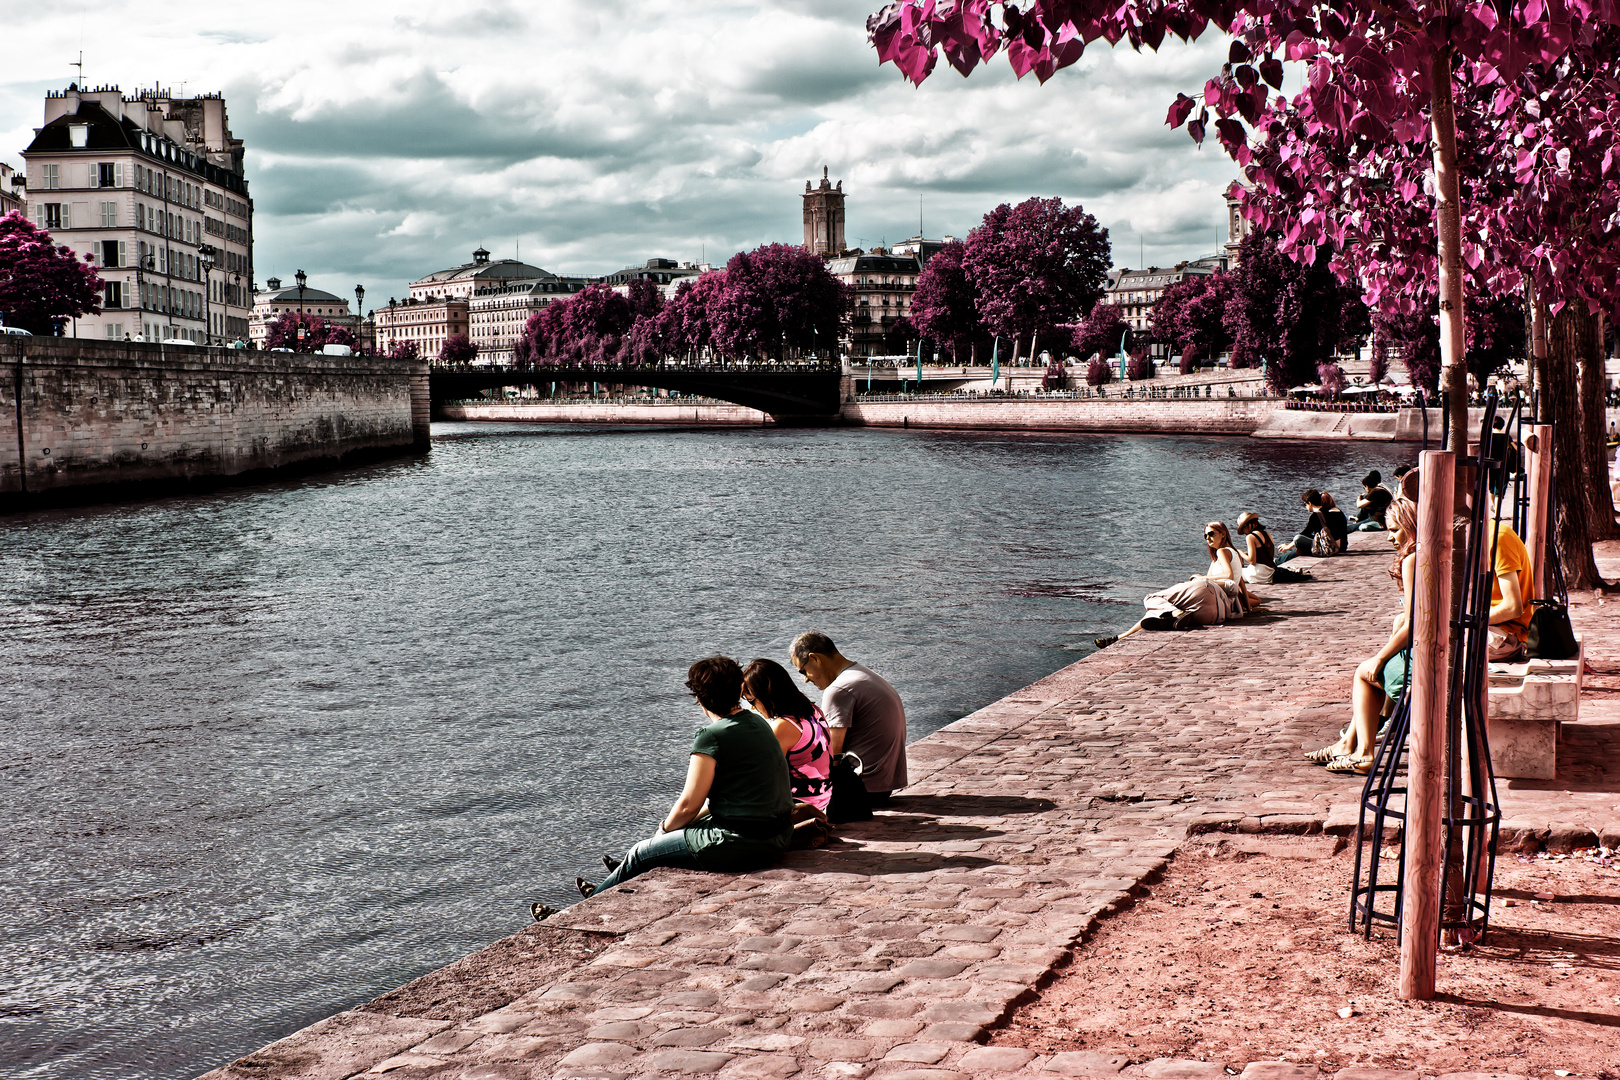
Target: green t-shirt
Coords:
[(750, 819)]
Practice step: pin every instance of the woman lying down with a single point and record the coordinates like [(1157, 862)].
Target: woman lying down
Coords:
[(1205, 599)]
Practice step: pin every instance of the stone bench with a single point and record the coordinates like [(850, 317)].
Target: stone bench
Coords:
[(1527, 703)]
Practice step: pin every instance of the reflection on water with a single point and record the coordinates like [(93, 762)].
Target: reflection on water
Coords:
[(270, 752)]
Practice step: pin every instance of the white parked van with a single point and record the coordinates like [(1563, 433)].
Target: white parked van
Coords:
[(337, 350)]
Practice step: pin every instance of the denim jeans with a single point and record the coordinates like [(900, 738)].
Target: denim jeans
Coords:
[(665, 849), (1370, 525), (1301, 545)]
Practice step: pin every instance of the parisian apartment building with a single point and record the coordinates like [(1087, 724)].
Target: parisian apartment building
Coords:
[(151, 186)]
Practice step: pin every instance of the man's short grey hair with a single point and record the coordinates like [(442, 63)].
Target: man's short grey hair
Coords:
[(811, 642)]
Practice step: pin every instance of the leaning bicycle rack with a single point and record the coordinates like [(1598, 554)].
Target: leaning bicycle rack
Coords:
[(1472, 815)]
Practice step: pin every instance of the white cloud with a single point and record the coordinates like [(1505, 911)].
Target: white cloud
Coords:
[(388, 140)]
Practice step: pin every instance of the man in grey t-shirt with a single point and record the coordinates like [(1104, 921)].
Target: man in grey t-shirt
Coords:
[(865, 716)]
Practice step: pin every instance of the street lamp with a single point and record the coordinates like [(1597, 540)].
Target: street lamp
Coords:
[(206, 254), (301, 278), (143, 263), (359, 314), (236, 292)]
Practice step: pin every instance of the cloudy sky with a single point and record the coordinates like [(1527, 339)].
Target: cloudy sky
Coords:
[(387, 140)]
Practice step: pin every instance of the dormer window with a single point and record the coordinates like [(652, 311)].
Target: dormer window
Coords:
[(79, 135)]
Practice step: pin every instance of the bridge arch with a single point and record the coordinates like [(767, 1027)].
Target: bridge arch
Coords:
[(788, 394)]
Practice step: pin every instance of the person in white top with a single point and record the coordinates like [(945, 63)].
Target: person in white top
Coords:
[(865, 716)]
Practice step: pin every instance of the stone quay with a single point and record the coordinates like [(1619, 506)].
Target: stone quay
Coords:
[(895, 951), (84, 420)]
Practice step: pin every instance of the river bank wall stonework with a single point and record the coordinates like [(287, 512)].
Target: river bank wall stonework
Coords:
[(86, 420), (894, 951), (610, 413)]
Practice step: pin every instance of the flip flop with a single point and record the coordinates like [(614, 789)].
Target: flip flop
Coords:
[(1104, 642), (586, 889), (541, 911)]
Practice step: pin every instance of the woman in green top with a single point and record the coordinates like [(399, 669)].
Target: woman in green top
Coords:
[(737, 765)]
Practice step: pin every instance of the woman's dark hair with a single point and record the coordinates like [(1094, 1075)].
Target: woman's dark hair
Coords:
[(769, 684), (1372, 479), (1312, 497), (716, 681)]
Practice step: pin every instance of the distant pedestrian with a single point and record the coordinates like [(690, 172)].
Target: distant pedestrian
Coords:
[(864, 713)]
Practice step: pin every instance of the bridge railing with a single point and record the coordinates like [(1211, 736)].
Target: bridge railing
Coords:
[(750, 367)]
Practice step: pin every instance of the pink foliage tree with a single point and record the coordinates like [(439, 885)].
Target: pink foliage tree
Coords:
[(1287, 316), (1035, 266), (457, 350), (778, 297), (42, 285), (318, 333), (944, 306), (1190, 316), (1104, 332), (1098, 372), (400, 349)]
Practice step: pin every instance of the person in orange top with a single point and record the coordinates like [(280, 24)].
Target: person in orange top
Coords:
[(1512, 590)]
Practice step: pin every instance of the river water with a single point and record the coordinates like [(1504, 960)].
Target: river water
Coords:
[(268, 752)]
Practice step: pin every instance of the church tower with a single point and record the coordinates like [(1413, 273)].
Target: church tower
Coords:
[(824, 217)]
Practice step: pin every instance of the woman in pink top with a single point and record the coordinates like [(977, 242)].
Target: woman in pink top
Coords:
[(799, 728)]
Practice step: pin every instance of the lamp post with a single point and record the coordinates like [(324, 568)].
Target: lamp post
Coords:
[(301, 278), (359, 315), (236, 291), (206, 254), (393, 322), (142, 264)]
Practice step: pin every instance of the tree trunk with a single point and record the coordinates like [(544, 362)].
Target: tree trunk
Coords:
[(1570, 336), (1594, 433), (1448, 230), (1454, 389)]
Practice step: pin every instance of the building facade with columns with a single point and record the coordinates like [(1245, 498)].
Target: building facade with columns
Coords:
[(429, 323), (152, 187)]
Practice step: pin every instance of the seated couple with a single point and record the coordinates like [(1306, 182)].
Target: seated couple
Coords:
[(1326, 518), (748, 766), (1204, 599), (1381, 679)]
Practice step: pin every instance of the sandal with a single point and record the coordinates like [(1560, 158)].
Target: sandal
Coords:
[(1322, 755), (1104, 642), (541, 911), (586, 889), (1360, 766)]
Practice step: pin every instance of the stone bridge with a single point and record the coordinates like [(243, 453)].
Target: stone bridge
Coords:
[(790, 394)]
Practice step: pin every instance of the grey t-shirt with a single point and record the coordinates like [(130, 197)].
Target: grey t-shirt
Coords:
[(864, 703)]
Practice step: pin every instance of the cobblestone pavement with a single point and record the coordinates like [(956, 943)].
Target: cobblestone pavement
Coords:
[(892, 951)]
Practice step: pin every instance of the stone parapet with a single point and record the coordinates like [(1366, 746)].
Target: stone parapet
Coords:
[(84, 419)]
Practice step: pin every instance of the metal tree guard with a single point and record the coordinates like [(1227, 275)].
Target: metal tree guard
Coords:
[(1472, 811)]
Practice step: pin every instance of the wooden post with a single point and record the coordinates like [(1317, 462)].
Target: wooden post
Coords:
[(1431, 616), (1538, 448)]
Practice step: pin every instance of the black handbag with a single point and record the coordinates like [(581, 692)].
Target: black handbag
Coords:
[(1551, 637), (850, 801)]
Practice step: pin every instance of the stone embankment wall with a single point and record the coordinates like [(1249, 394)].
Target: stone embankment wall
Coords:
[(1173, 416), (82, 420), (609, 413)]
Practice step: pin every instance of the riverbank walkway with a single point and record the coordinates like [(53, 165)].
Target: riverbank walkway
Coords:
[(890, 953)]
